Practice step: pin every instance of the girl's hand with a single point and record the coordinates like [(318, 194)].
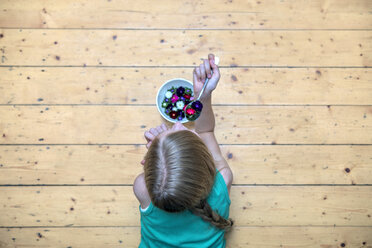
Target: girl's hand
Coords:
[(153, 132), (204, 71), (151, 135)]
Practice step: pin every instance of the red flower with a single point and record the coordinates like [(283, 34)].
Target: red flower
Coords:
[(190, 111), (187, 96), (173, 114)]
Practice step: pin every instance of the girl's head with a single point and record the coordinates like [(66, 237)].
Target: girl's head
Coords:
[(180, 173), (179, 169)]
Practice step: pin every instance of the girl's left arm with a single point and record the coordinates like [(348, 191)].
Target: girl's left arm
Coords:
[(140, 191)]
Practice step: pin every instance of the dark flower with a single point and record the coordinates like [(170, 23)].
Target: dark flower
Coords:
[(197, 105), (173, 114), (180, 91), (170, 106), (181, 114)]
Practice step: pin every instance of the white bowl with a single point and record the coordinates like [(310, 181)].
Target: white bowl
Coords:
[(175, 82)]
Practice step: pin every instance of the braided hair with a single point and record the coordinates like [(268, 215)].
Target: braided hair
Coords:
[(205, 211)]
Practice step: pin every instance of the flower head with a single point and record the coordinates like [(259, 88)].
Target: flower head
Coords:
[(197, 105), (190, 111), (174, 98), (168, 94), (180, 105)]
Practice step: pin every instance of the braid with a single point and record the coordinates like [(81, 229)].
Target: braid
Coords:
[(204, 210)]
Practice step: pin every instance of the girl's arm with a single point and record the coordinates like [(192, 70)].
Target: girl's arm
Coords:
[(206, 133), (220, 162), (205, 124), (140, 191)]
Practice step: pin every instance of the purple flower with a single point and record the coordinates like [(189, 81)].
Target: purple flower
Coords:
[(197, 105), (181, 114), (180, 91)]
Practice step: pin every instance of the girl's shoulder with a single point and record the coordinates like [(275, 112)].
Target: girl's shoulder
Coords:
[(140, 191)]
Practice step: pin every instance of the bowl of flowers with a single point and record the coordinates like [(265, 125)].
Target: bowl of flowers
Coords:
[(172, 99)]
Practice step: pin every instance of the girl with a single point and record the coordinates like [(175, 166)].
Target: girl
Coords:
[(184, 190)]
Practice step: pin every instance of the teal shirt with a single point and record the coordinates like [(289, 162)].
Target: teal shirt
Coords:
[(162, 229)]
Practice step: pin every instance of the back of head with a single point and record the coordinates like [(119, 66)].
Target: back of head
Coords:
[(179, 171), (179, 175)]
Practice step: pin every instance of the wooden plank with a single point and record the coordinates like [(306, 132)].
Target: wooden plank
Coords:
[(255, 237), (251, 205), (300, 237), (112, 164), (180, 48), (71, 237), (24, 85), (235, 124), (187, 14)]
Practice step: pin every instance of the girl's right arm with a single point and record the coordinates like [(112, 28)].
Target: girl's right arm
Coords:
[(205, 124)]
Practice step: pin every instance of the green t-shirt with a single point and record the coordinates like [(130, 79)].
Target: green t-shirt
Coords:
[(160, 229)]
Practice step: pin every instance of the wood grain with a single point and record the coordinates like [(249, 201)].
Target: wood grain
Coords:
[(208, 14), (234, 124), (37, 47), (113, 164), (255, 237), (329, 86), (78, 81), (60, 206)]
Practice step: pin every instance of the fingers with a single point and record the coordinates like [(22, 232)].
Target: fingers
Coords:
[(216, 70), (210, 57), (149, 136), (164, 127), (197, 73), (202, 72), (159, 129), (154, 131), (148, 144), (207, 68)]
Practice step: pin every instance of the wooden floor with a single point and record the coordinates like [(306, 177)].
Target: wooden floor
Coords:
[(78, 81)]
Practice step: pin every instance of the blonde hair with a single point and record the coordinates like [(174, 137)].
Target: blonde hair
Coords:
[(179, 175)]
